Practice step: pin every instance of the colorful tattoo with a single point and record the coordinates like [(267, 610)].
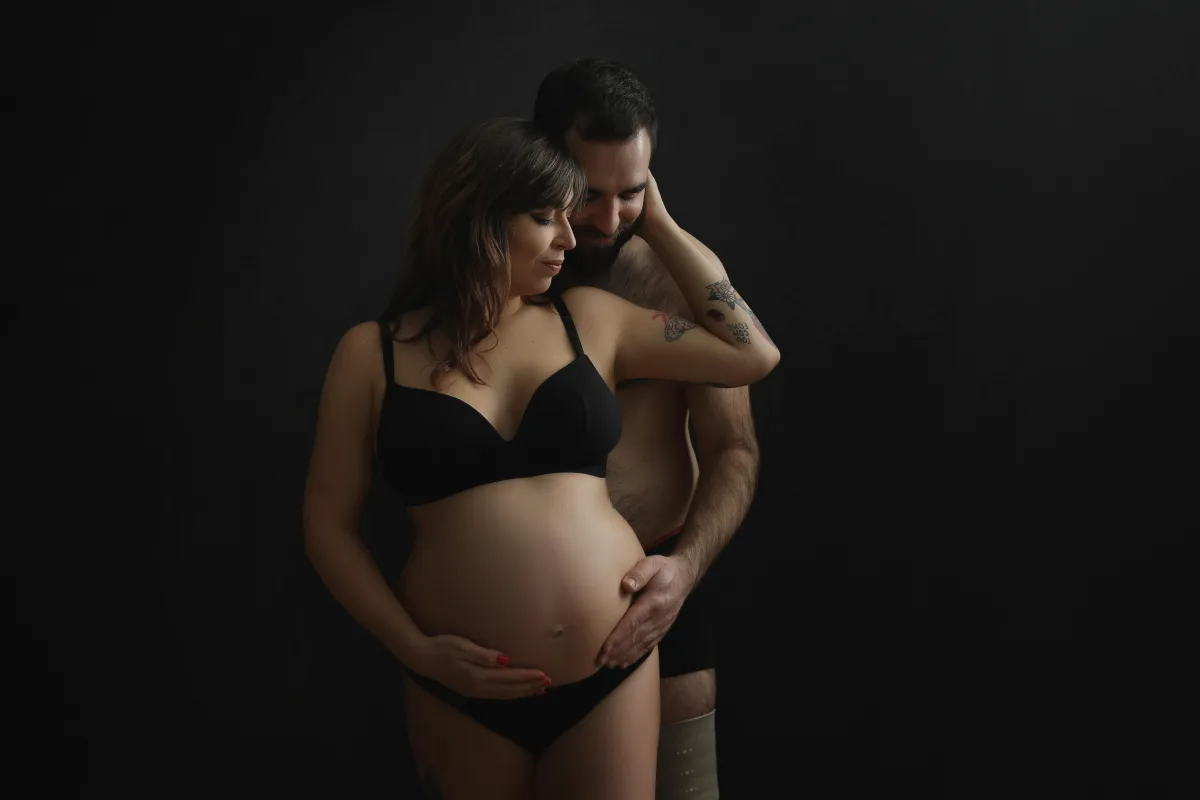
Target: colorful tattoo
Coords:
[(717, 315), (754, 319), (741, 331), (674, 326)]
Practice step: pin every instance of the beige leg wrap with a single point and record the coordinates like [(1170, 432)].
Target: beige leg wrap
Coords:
[(687, 760)]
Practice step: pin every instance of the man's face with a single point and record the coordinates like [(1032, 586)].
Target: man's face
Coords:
[(612, 210)]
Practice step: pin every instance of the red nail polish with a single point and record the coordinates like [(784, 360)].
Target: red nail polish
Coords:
[(504, 661)]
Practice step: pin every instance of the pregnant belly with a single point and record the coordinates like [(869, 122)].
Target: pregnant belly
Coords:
[(530, 567)]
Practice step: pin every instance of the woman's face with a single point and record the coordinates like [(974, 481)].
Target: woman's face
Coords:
[(537, 241)]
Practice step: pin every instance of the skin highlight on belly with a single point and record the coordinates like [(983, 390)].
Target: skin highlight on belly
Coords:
[(531, 567)]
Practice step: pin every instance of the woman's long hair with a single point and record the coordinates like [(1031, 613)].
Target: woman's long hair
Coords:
[(457, 259)]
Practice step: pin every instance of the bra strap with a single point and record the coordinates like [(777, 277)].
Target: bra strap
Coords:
[(569, 324), (385, 340)]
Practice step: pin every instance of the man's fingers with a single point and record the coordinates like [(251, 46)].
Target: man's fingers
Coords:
[(644, 620), (630, 655), (616, 645), (640, 574), (619, 636), (627, 649), (626, 630), (632, 644), (648, 618)]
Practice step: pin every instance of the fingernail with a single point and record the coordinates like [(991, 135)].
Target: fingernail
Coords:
[(545, 681), (504, 661)]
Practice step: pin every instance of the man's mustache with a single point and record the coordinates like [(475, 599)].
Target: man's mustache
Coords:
[(594, 233)]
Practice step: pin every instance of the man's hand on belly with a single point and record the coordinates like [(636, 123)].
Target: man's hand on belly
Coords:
[(660, 584)]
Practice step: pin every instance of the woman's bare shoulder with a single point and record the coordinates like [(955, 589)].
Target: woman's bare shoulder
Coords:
[(359, 356), (359, 350), (589, 299), (599, 315)]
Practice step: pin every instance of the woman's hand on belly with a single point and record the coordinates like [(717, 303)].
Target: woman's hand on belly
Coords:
[(474, 671), (531, 567), (550, 614)]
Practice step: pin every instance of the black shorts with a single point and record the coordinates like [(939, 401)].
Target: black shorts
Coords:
[(689, 645)]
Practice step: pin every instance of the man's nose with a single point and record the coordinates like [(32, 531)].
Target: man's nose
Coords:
[(606, 216)]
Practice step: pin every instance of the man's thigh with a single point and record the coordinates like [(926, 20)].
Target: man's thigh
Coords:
[(687, 696)]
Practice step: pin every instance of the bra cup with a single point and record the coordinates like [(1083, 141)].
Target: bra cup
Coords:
[(432, 446), (556, 426)]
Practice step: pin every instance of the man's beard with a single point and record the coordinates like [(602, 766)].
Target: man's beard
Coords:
[(587, 263)]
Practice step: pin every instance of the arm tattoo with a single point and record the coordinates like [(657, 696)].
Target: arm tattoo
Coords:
[(741, 331), (674, 326), (754, 319), (722, 292)]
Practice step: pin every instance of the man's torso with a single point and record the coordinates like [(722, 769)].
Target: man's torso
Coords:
[(652, 471)]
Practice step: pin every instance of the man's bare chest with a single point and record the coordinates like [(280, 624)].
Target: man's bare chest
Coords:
[(643, 281)]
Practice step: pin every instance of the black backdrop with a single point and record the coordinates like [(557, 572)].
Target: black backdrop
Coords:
[(966, 224)]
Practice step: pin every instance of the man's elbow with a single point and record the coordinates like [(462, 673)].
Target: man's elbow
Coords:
[(737, 453), (746, 450)]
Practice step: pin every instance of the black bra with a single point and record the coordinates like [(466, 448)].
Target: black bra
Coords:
[(432, 445)]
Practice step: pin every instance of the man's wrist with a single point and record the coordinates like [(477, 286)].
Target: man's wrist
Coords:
[(654, 232), (689, 570)]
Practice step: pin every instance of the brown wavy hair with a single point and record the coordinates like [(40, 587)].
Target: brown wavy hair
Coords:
[(457, 260)]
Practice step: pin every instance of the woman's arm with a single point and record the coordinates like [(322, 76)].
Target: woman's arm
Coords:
[(705, 285), (732, 349), (641, 343), (339, 475)]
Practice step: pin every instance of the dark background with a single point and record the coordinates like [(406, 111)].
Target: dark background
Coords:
[(970, 226)]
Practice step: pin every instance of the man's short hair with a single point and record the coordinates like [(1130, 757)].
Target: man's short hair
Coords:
[(602, 100)]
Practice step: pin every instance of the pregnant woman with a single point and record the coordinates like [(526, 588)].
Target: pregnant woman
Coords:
[(490, 410)]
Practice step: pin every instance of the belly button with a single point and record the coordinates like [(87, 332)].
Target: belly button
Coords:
[(557, 631)]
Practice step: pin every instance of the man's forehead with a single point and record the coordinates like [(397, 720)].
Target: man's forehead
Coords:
[(612, 166), (622, 186)]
